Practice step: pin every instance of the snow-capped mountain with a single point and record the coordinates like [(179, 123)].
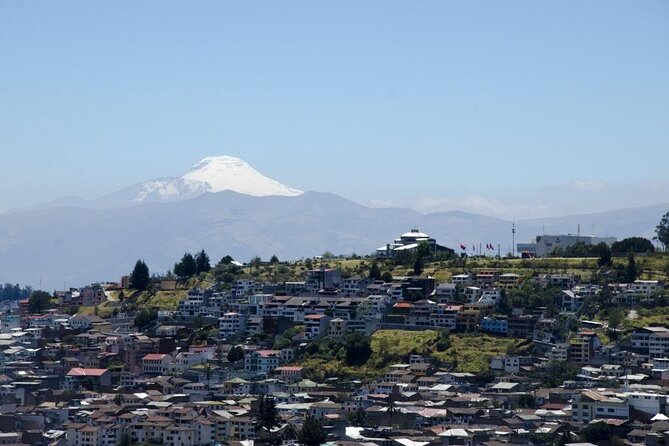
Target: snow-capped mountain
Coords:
[(212, 174), (229, 173)]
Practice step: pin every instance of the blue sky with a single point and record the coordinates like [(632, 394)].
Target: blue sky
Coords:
[(505, 108)]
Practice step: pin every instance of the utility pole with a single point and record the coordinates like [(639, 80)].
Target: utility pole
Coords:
[(513, 237)]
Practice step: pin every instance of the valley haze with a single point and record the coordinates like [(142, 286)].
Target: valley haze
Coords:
[(225, 206)]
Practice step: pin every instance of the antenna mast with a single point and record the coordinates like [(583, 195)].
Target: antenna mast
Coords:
[(513, 238)]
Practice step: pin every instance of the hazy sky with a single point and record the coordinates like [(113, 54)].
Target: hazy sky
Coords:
[(510, 108)]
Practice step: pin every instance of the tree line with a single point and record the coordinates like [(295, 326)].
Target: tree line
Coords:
[(189, 266), (14, 292)]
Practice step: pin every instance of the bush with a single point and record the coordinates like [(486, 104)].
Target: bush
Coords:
[(358, 349)]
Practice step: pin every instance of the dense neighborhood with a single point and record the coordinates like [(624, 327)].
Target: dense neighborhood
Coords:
[(347, 352)]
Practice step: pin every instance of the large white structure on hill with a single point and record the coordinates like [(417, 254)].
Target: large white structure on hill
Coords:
[(409, 241)]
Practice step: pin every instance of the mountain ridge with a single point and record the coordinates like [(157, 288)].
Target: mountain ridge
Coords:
[(76, 241), (80, 245)]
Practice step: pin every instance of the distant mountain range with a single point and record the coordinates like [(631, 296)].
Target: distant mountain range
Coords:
[(226, 207)]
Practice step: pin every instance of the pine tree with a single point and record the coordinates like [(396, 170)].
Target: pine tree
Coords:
[(662, 231), (631, 271), (604, 255), (312, 433), (202, 264), (374, 271), (268, 415), (139, 278), (418, 266)]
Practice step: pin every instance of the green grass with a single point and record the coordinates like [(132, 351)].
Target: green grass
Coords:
[(658, 316), (395, 345), (472, 352), (103, 311), (160, 300)]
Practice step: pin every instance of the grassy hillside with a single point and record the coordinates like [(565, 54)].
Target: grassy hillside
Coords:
[(472, 352), (653, 267), (468, 353)]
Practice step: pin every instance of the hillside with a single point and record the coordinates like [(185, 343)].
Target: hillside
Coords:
[(465, 353)]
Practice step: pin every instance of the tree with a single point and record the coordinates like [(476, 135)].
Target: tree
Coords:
[(39, 301), (596, 432), (387, 276), (235, 354), (662, 230), (418, 266), (604, 254), (615, 317), (14, 292), (374, 271), (274, 259), (424, 250), (125, 440), (226, 260), (145, 317), (186, 267), (255, 262), (358, 418), (638, 245), (139, 278), (526, 401), (312, 433), (268, 415), (290, 432), (202, 264), (358, 349), (631, 271)]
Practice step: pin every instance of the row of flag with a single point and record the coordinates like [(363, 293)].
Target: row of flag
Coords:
[(488, 246)]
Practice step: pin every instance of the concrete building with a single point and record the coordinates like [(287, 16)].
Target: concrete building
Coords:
[(231, 324), (654, 340), (156, 363), (592, 405), (546, 244)]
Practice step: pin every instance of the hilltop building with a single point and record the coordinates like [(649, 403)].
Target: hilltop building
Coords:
[(409, 241), (546, 244)]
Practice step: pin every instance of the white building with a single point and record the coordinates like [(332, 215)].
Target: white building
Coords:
[(157, 363), (409, 242), (592, 405), (546, 244), (645, 287), (655, 340), (231, 324)]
